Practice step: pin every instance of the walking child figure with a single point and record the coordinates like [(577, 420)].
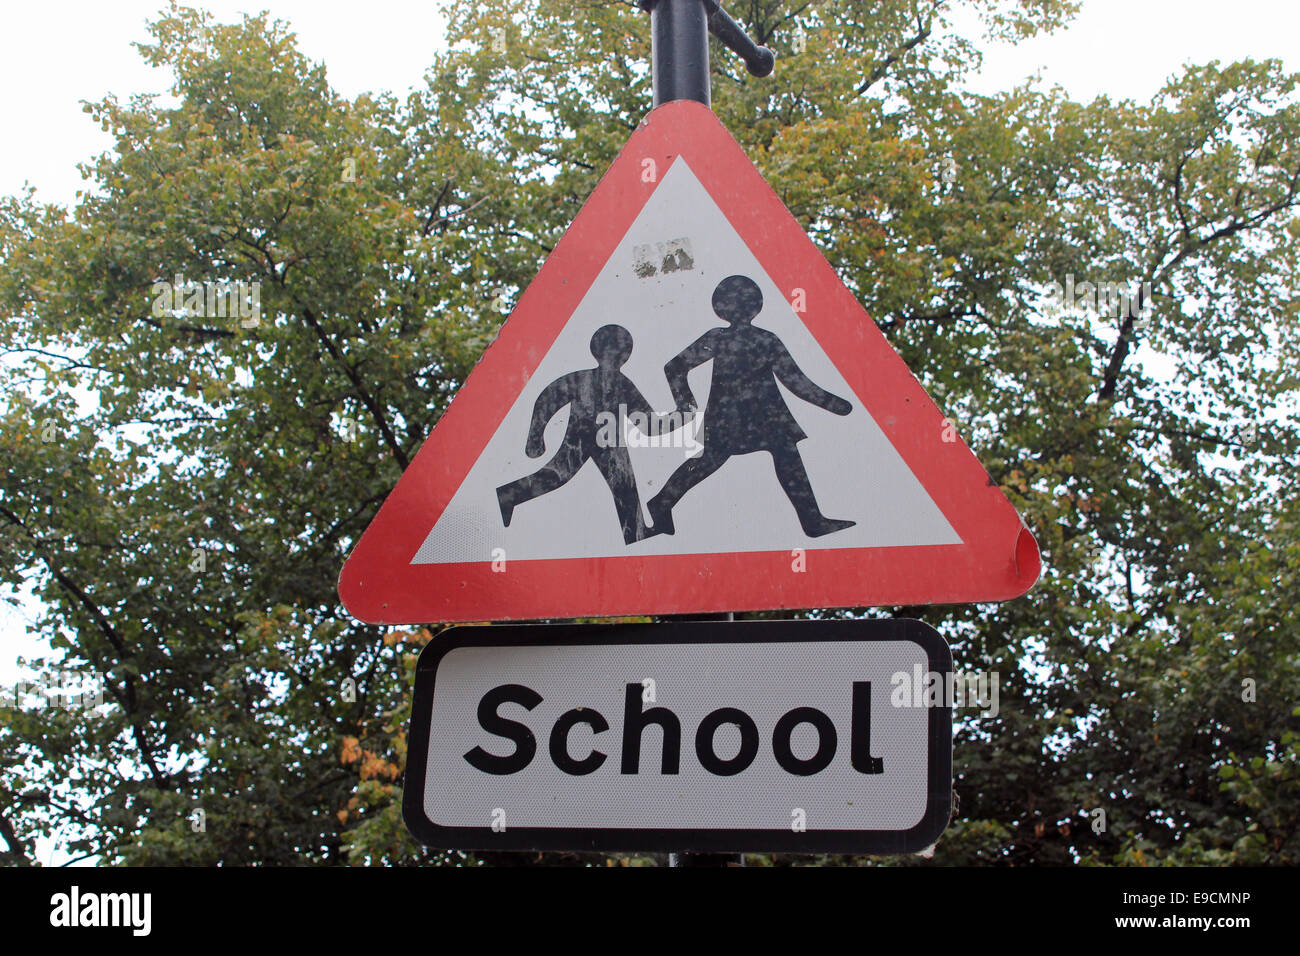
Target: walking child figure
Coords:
[(597, 397), (746, 412)]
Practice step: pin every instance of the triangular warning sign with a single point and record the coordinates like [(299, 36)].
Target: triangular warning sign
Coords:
[(687, 412)]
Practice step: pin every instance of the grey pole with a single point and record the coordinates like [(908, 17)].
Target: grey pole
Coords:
[(679, 54), (679, 51), (679, 45)]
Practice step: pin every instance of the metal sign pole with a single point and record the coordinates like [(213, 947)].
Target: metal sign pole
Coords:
[(679, 45)]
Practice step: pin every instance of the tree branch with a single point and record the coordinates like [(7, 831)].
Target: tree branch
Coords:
[(19, 853), (128, 699), (923, 33), (366, 398)]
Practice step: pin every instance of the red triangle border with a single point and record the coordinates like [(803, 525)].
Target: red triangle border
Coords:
[(998, 558)]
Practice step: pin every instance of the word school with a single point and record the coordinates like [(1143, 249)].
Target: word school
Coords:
[(636, 720)]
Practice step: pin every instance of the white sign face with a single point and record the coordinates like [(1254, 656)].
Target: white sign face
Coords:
[(687, 411), (776, 736), (561, 505)]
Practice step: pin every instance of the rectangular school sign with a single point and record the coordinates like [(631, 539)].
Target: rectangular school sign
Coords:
[(776, 736)]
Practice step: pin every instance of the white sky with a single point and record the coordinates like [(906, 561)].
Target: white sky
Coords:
[(1119, 47), (55, 54)]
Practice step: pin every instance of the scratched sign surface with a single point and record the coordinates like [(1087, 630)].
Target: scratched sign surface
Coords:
[(687, 411)]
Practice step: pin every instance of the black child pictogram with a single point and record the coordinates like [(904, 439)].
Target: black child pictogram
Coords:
[(598, 398), (746, 412)]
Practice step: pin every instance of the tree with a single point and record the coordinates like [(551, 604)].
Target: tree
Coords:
[(184, 529)]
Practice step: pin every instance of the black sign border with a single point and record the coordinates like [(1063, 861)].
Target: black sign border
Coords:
[(676, 840)]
